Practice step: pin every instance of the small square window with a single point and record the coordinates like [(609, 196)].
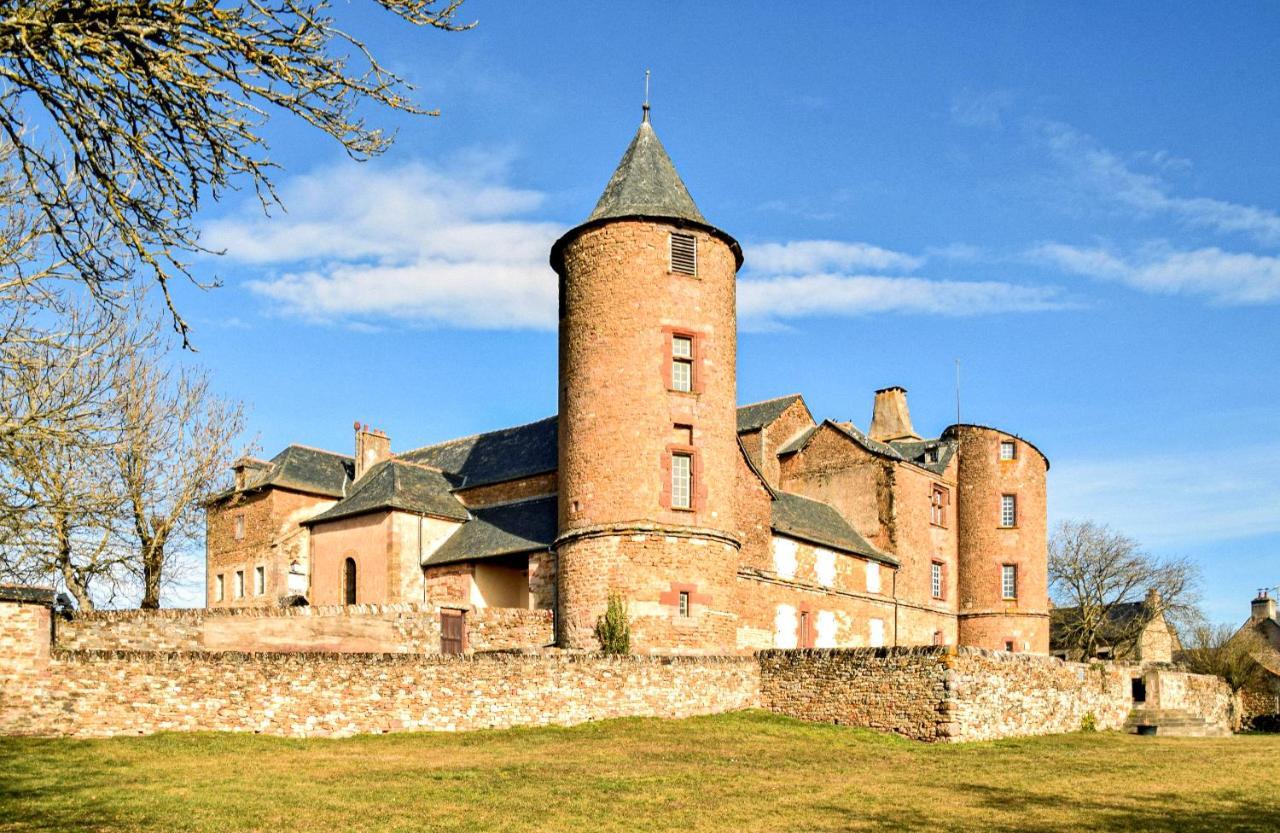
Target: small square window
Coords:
[(259, 580), (684, 253), (1008, 510), (935, 579), (1009, 581), (681, 481), (219, 587), (239, 584), (684, 603), (1008, 450), (239, 527)]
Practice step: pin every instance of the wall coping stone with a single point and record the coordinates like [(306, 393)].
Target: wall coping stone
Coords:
[(322, 657)]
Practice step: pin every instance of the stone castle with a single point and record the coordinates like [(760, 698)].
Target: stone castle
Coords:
[(726, 529)]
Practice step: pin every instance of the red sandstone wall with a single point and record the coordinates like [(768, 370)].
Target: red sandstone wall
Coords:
[(512, 490), (793, 420), (834, 470), (367, 539)]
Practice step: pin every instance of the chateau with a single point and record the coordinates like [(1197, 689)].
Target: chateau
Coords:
[(726, 529)]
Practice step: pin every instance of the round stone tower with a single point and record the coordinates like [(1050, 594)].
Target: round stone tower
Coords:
[(1003, 540), (647, 427)]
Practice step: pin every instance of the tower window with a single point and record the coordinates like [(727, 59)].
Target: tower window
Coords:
[(684, 253), (1009, 581), (935, 579), (681, 481), (684, 604), (1008, 510), (682, 363), (1008, 450)]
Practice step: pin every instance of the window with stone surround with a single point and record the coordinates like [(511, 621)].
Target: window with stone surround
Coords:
[(935, 579), (259, 580), (219, 587), (239, 527), (239, 584), (1008, 450), (684, 603), (939, 497), (684, 253), (1008, 510), (682, 363), (681, 480), (1009, 581)]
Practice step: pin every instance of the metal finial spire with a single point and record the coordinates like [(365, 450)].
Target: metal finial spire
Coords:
[(646, 95)]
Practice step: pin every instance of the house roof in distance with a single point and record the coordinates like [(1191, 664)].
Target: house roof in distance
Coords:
[(760, 414), (392, 484), (819, 523), (495, 531)]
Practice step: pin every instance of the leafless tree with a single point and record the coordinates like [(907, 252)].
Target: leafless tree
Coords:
[(176, 440), (1094, 569), (1225, 652), (150, 106)]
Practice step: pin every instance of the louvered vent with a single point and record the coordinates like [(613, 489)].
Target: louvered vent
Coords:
[(684, 254)]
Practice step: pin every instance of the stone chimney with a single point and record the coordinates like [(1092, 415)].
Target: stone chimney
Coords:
[(372, 447), (890, 419), (1263, 607), (246, 469)]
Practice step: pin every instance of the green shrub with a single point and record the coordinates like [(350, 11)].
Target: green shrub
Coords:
[(1089, 723), (613, 628)]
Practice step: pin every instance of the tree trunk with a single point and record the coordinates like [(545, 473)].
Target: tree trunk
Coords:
[(152, 569)]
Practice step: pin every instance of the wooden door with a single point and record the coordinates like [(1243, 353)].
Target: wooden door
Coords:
[(453, 632)]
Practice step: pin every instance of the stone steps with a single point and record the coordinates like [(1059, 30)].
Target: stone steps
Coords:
[(1171, 723)]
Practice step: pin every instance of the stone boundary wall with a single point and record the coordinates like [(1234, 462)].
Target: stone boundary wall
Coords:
[(965, 694), (108, 693), (386, 628)]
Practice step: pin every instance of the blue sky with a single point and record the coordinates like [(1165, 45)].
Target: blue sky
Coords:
[(1082, 204)]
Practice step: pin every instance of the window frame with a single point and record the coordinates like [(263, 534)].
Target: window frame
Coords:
[(259, 580), (1008, 502), (938, 580), (1008, 572), (873, 569), (239, 584), (1012, 446), (939, 500), (682, 360), (687, 458), (683, 605), (220, 587)]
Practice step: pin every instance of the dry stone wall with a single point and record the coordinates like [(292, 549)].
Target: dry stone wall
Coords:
[(106, 693), (388, 628)]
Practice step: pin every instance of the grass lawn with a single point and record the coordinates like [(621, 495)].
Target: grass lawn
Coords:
[(745, 771)]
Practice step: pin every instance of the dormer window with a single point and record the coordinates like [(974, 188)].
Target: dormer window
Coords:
[(684, 253)]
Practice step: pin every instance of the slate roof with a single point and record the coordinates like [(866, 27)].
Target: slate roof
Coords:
[(495, 456), (496, 531), (46, 596), (818, 523), (933, 455), (301, 469), (392, 484), (759, 414), (645, 183)]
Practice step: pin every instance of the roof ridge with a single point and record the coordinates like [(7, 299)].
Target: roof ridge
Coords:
[(771, 399), (475, 435), (320, 450)]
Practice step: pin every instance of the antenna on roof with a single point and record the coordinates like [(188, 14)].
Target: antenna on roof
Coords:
[(957, 391), (646, 95)]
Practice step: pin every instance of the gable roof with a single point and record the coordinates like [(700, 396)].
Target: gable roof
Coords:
[(760, 414), (495, 456), (301, 469), (494, 531), (819, 523), (392, 484), (933, 455)]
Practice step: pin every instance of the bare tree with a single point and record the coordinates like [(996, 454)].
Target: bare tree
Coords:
[(1225, 652), (156, 104), (1094, 569), (176, 440)]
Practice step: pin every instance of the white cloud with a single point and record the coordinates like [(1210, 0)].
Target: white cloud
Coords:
[(410, 243), (1225, 277), (1172, 499), (1103, 172), (772, 300), (798, 256), (980, 109)]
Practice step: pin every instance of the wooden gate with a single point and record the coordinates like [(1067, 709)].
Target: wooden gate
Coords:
[(453, 632)]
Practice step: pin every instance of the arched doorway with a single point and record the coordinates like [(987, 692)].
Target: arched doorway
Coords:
[(349, 581)]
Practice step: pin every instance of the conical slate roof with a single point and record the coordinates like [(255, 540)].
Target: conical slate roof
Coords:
[(646, 184)]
